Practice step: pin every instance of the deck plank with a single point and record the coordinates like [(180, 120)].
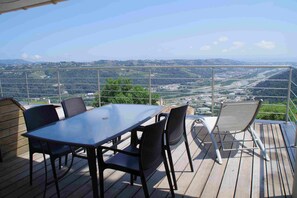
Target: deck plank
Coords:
[(267, 176), (258, 168), (229, 180), (274, 183), (243, 187), (213, 183), (286, 171), (202, 174)]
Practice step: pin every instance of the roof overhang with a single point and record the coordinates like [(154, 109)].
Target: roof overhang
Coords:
[(13, 5)]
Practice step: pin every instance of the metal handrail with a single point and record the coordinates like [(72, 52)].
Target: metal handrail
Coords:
[(148, 81)]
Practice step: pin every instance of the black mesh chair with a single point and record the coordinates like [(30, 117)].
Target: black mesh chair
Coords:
[(139, 162), (35, 118), (73, 106), (175, 131)]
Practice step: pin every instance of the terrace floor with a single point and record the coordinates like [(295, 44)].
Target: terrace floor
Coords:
[(242, 174)]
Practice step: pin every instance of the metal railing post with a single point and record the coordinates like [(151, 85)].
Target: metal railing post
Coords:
[(289, 94), (212, 90), (99, 91), (27, 88), (150, 87), (59, 85)]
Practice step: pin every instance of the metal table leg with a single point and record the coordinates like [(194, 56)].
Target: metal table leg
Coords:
[(93, 170)]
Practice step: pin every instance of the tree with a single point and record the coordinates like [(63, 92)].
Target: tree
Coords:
[(121, 90)]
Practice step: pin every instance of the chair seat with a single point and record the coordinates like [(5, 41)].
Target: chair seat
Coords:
[(56, 149), (123, 161), (209, 121)]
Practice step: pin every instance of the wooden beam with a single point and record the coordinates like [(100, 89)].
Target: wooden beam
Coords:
[(9, 6)]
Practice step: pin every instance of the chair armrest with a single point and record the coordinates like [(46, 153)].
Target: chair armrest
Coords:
[(122, 140), (118, 150), (162, 115), (139, 128)]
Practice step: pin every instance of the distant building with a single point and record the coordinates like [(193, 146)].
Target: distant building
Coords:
[(231, 96), (204, 111)]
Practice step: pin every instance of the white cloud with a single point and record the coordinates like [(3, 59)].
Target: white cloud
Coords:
[(266, 44), (31, 57), (215, 42), (36, 57), (24, 55), (223, 39), (205, 48), (237, 45)]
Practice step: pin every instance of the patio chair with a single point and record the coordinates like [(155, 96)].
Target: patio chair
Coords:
[(234, 117), (73, 106), (175, 131), (35, 118), (141, 161)]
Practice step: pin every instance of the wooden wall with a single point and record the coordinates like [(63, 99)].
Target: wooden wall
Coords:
[(12, 126)]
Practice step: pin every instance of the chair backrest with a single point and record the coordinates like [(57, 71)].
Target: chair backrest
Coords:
[(73, 106), (39, 116), (176, 124), (151, 145), (237, 116)]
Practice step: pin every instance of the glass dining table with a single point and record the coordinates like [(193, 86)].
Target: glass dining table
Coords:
[(94, 128)]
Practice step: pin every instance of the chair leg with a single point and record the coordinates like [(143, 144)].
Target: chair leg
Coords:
[(55, 175), (171, 166), (101, 182), (131, 179), (144, 186), (66, 159), (168, 175), (215, 145), (258, 142), (188, 152), (214, 142), (45, 178), (114, 141), (31, 168), (60, 162)]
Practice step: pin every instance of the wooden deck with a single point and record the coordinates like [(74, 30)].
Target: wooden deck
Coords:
[(242, 174)]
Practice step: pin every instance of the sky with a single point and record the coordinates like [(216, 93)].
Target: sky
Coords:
[(89, 30)]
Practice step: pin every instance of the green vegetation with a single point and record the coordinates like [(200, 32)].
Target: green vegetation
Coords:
[(121, 90), (272, 111), (276, 111)]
